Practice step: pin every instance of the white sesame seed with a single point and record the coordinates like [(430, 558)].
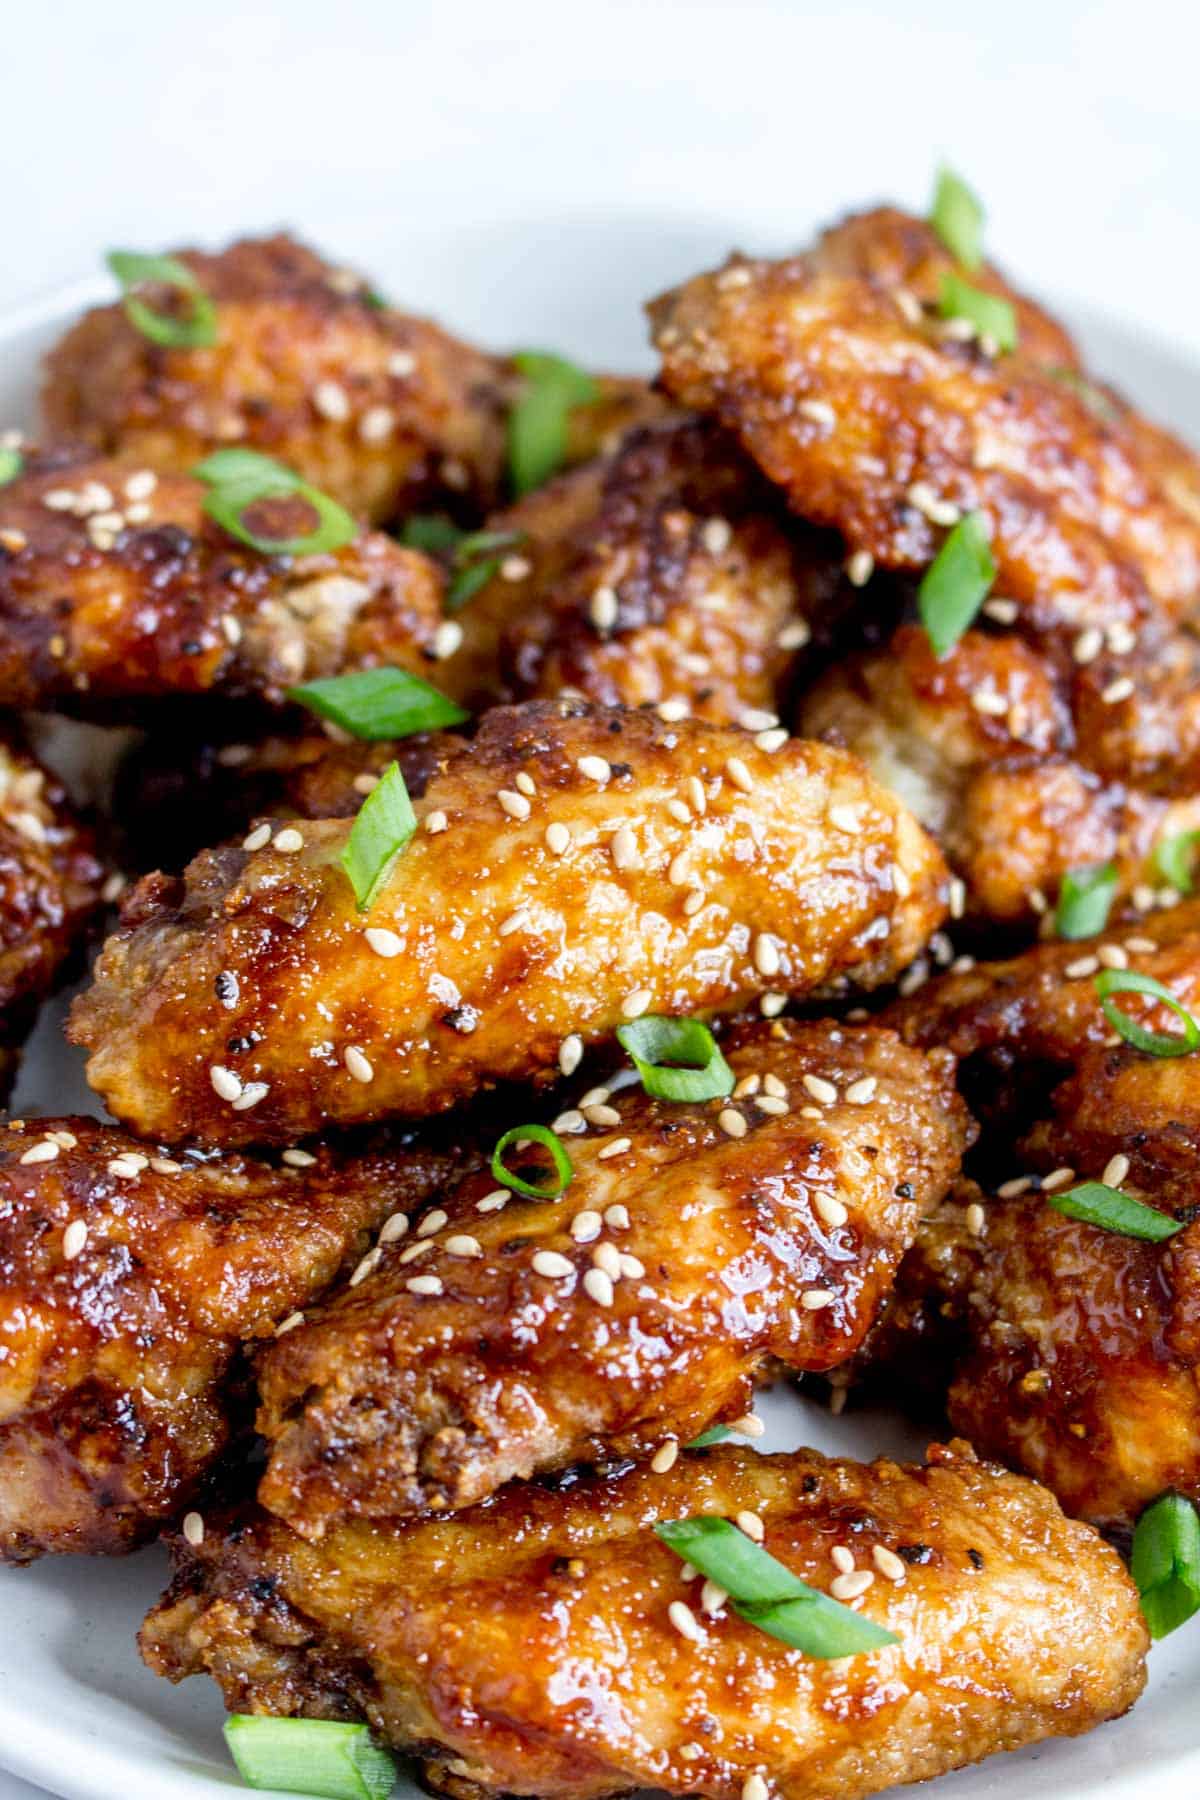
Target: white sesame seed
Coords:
[(141, 485), (731, 1122), (1081, 967), (377, 425), (737, 276), (665, 1457), (755, 1788), (632, 1269), (330, 400), (382, 941), (829, 1209), (558, 837), (772, 1105), (436, 822), (365, 783), (617, 1217), (819, 411), (446, 639), (251, 1094), (712, 1598), (598, 1287), (625, 852), (1088, 645), (1118, 690), (1012, 1190), (394, 1227), (595, 1096), (957, 897), (716, 535), (975, 1219), (1115, 1170), (293, 1322), (751, 1524), (993, 706), (515, 805), (569, 1122), (357, 1065), (423, 1284), (298, 1159), (289, 840), (226, 1085), (1121, 638), (772, 740), (193, 1529), (619, 1147), (74, 1238), (232, 629), (45, 1151), (127, 1168), (756, 718), (1004, 612), (685, 1622), (463, 1244), (1057, 1178), (849, 1587), (672, 711), (517, 921), (845, 818), (1140, 946), (636, 1003), (586, 1225), (552, 1265), (771, 1005), (766, 954), (496, 1201), (570, 1053), (432, 1222), (1111, 956), (258, 837), (816, 1299), (602, 608), (367, 1266), (165, 1165), (748, 1426), (594, 768), (525, 784), (888, 1563), (411, 1252), (697, 798), (862, 1092), (608, 1258), (739, 774), (820, 1089)]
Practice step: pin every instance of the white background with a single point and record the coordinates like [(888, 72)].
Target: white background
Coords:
[(536, 129)]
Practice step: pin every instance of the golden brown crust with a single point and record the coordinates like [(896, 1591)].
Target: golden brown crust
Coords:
[(120, 1356), (525, 1647), (98, 617), (662, 573), (811, 880), (385, 412), (730, 1253)]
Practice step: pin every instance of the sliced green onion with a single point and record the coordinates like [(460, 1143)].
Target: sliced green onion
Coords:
[(432, 532), (379, 703), (384, 825), (716, 1434), (240, 479), (309, 1756), (537, 424), (1112, 1210), (956, 583), (474, 564), (677, 1059), (990, 314), (11, 464), (1154, 1043), (1165, 1563), (1094, 398), (1084, 900), (765, 1593), (537, 1134), (1175, 859), (192, 333), (957, 217)]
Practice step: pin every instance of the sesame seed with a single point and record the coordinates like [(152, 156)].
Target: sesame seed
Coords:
[(819, 411), (357, 1064), (382, 941), (525, 784), (748, 1426), (45, 1151), (1004, 612), (226, 1085), (608, 1258), (1082, 966), (558, 837), (570, 1053), (625, 852), (888, 1563), (975, 1219), (732, 1123), (496, 1201), (463, 1244), (330, 400), (598, 1287), (424, 1284), (739, 774), (772, 1105), (820, 1089), (365, 783), (293, 1322), (586, 1225), (411, 1252), (1012, 1190), (602, 608), (394, 1227), (432, 1222), (367, 1266), (1121, 638), (1140, 946), (939, 512), (618, 1147), (771, 1005), (402, 363), (712, 1598), (845, 818), (1088, 645), (1115, 1170), (141, 485), (862, 1092), (993, 706), (1057, 1178), (735, 277), (128, 1167), (16, 541), (251, 1094), (766, 954), (595, 1097), (594, 768), (569, 1122), (193, 1529), (755, 1788), (636, 1003), (165, 1165), (377, 425), (772, 740), (829, 1209), (258, 837), (552, 1265), (515, 805), (697, 798), (517, 921), (849, 1587), (716, 535), (74, 1237), (685, 1622), (298, 1159), (751, 1524), (665, 1457), (816, 1299), (288, 840), (446, 639), (957, 897), (1118, 690), (436, 822), (617, 1217), (231, 628), (630, 1266), (672, 711), (1112, 956)]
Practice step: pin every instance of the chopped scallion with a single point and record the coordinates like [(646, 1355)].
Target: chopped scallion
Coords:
[(957, 217), (11, 464), (1165, 1563), (194, 332), (309, 1756), (956, 583), (475, 564), (379, 703), (1154, 1043), (384, 825), (536, 1134), (1084, 900), (1175, 860), (716, 1434), (240, 479), (990, 314), (538, 423), (432, 532), (677, 1059), (1111, 1210)]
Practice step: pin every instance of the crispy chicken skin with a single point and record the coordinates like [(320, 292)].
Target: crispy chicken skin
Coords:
[(662, 573), (117, 1359), (526, 1647), (383, 411), (100, 611), (50, 881), (838, 376), (775, 1246), (698, 872)]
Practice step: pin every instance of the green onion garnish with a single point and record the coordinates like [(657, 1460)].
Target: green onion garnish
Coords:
[(11, 464), (537, 1134), (309, 1756), (240, 479), (1094, 398), (1112, 1210), (384, 825), (1154, 1043), (1174, 859), (379, 703), (957, 217), (191, 333), (537, 424), (475, 564), (716, 1434), (1165, 1564), (990, 314), (956, 583), (1084, 900), (677, 1059), (432, 532), (765, 1593)]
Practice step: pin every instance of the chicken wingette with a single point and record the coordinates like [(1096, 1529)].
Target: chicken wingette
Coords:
[(117, 590), (695, 1245), (570, 870), (549, 1644), (130, 1281)]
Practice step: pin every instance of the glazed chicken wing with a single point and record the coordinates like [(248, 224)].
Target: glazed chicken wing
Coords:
[(572, 869), (108, 600), (549, 1644), (128, 1281), (694, 1244)]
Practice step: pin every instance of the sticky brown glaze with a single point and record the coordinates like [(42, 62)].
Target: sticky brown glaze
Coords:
[(101, 610), (728, 1253), (837, 375), (622, 404), (675, 892), (662, 573), (120, 1361), (385, 412), (526, 1646), (50, 881), (1007, 750), (176, 795)]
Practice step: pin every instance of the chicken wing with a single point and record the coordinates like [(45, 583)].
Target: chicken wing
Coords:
[(107, 600), (573, 868), (532, 1335), (128, 1281), (549, 1644), (664, 573), (50, 891)]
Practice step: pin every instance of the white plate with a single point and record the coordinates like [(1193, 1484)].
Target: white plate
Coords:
[(78, 1712)]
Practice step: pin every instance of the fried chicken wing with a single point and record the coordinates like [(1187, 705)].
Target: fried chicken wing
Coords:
[(383, 411), (662, 573), (537, 1646), (583, 866), (128, 1281), (50, 890), (532, 1335)]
